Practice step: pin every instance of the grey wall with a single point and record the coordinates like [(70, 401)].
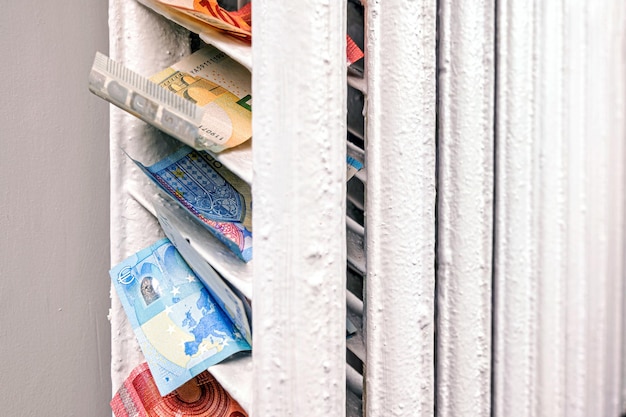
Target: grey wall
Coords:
[(54, 212)]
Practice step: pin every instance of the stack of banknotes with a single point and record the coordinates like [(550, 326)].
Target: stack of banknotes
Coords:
[(219, 92), (201, 396), (185, 316)]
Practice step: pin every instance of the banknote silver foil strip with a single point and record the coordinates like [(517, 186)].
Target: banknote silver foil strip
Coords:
[(148, 101)]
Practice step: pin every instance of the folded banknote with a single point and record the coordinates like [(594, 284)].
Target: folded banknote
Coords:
[(211, 193), (216, 197), (356, 156), (354, 165), (237, 23), (221, 87), (204, 100), (232, 301), (180, 328), (201, 396)]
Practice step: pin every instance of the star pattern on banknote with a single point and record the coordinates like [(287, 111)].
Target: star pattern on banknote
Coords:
[(179, 173), (191, 278), (169, 342)]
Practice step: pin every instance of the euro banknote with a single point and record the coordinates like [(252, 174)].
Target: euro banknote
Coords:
[(204, 100), (179, 327), (172, 220), (356, 158), (217, 198), (233, 302), (137, 95), (235, 23), (221, 87), (354, 165), (201, 396)]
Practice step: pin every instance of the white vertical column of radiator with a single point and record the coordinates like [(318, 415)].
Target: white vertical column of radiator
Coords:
[(299, 153), (604, 134), (147, 43), (400, 207), (518, 245), (465, 207), (575, 48), (559, 209)]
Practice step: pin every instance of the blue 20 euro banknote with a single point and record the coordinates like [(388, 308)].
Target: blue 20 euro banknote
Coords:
[(180, 328)]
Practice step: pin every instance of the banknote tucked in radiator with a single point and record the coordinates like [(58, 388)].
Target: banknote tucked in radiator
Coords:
[(221, 87), (237, 23), (204, 100), (180, 328), (220, 200), (201, 396)]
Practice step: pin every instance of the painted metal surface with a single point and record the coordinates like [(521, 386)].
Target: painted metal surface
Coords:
[(559, 209), (549, 238), (466, 76), (573, 124), (400, 207), (299, 124), (517, 247), (605, 77), (558, 238)]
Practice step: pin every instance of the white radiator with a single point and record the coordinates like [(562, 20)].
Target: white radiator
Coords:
[(488, 270)]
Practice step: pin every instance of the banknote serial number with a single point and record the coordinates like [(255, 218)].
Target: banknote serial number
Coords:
[(213, 134), (213, 60)]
